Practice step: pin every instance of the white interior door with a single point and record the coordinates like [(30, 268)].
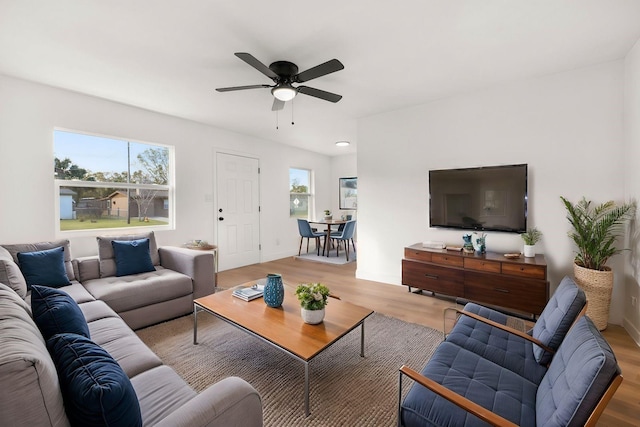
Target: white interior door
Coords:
[(238, 210)]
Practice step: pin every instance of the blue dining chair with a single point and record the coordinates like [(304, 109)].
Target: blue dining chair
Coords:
[(308, 233), (346, 236)]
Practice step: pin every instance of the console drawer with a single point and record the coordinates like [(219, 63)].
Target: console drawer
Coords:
[(482, 265), (524, 270), (432, 278), (417, 254), (522, 294), (444, 259)]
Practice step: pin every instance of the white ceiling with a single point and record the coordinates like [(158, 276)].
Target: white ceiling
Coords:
[(169, 56)]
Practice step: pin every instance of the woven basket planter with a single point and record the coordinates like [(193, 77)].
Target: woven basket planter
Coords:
[(597, 286)]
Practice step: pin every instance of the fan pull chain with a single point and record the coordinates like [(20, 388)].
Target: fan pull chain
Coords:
[(277, 120), (292, 123)]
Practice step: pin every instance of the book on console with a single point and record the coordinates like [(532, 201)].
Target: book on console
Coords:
[(249, 293)]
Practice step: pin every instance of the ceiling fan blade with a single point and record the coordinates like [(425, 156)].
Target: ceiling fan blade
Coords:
[(319, 71), (327, 96), (277, 105), (229, 89), (251, 60)]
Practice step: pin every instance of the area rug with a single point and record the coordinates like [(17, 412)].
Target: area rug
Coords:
[(333, 259), (346, 389)]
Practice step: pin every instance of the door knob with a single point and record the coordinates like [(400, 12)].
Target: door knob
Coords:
[(220, 219)]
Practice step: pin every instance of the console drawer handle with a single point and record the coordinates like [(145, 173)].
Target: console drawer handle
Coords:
[(431, 276), (504, 291)]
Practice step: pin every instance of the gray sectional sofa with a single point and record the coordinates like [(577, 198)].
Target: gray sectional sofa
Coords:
[(111, 306), (561, 373)]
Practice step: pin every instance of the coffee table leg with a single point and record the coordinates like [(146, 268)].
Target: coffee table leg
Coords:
[(195, 324), (362, 339), (307, 412)]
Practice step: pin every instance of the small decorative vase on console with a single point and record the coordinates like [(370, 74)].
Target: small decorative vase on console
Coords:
[(312, 317), (273, 290), (479, 242)]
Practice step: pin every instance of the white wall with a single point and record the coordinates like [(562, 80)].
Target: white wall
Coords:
[(29, 112), (567, 127), (632, 188)]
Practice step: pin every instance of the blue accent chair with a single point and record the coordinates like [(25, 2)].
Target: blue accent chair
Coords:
[(346, 236), (560, 373), (308, 233)]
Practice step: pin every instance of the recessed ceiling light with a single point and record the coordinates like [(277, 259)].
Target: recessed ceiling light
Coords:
[(342, 144)]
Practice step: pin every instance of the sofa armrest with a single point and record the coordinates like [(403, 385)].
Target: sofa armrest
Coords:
[(231, 402), (196, 264), (453, 397), (87, 268)]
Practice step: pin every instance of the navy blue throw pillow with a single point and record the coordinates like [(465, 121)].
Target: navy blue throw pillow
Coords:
[(55, 312), (44, 267), (132, 257), (95, 389)]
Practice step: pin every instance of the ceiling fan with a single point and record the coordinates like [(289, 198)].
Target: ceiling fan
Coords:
[(284, 74)]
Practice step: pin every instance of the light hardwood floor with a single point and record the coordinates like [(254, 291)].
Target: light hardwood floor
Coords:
[(396, 301)]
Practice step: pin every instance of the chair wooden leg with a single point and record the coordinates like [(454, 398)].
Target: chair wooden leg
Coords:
[(354, 245), (318, 245), (308, 245), (300, 248), (346, 245)]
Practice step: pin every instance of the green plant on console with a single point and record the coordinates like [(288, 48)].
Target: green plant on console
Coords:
[(595, 230), (312, 296), (532, 236)]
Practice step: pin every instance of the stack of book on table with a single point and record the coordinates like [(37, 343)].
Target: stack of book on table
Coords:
[(249, 293)]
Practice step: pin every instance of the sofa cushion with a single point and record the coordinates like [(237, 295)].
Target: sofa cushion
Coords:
[(468, 374), (40, 246), (137, 290), (557, 317), (578, 376), (507, 350), (55, 312), (44, 267), (160, 392), (107, 256), (113, 334), (30, 393), (95, 389), (132, 257), (10, 273)]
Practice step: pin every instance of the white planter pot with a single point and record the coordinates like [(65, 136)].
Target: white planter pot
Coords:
[(313, 317), (530, 251)]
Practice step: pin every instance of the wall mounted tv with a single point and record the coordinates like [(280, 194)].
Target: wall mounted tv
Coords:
[(492, 198)]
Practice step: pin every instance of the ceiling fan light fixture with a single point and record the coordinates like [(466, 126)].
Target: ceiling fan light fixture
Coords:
[(284, 92), (342, 144)]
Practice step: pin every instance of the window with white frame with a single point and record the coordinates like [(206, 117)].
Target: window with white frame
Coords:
[(300, 196), (104, 183)]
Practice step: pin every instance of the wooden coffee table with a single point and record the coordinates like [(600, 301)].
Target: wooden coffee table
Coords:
[(283, 327)]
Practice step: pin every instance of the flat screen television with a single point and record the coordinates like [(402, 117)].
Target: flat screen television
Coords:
[(492, 198)]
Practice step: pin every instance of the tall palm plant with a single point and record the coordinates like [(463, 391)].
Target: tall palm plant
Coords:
[(595, 230)]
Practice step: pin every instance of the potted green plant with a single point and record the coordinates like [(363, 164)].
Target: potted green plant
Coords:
[(531, 237), (313, 299), (595, 231), (327, 215)]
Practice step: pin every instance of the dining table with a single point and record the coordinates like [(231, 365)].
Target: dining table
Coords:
[(328, 223)]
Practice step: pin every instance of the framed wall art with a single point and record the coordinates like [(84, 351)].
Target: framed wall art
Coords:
[(348, 193)]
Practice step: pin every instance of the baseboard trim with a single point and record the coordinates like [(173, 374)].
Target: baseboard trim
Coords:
[(633, 332)]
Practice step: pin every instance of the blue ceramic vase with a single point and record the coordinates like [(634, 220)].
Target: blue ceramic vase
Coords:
[(273, 290)]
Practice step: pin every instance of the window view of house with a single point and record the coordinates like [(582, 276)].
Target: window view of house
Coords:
[(111, 183), (300, 193)]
